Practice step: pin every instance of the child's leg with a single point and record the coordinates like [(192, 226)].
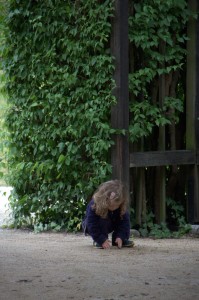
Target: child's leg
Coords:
[(106, 226)]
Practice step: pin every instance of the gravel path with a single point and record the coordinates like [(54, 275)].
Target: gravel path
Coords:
[(49, 266)]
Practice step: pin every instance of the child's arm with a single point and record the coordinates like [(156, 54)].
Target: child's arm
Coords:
[(124, 227), (93, 226), (118, 241)]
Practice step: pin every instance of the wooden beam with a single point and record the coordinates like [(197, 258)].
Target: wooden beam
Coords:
[(160, 181), (196, 169), (197, 157), (162, 158), (192, 113), (140, 191), (120, 111), (191, 80)]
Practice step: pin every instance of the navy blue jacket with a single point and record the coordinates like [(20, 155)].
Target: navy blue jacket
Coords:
[(99, 228)]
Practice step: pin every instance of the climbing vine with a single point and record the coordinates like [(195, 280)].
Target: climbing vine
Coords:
[(158, 47), (157, 84), (60, 84), (59, 71)]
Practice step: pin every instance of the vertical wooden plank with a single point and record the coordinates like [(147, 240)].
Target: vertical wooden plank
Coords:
[(160, 195), (196, 125), (190, 100), (140, 216), (138, 191), (192, 113), (120, 111), (191, 80), (144, 208)]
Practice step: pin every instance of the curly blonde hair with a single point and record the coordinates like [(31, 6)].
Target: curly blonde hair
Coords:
[(113, 190)]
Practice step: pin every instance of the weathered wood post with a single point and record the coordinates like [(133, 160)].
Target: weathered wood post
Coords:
[(160, 194), (120, 111), (192, 113)]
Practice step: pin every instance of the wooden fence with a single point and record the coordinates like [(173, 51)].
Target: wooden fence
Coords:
[(122, 160)]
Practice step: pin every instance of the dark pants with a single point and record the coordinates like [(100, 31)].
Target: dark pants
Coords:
[(107, 226)]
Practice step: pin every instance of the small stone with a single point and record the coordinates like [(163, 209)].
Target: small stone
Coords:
[(134, 233), (195, 229)]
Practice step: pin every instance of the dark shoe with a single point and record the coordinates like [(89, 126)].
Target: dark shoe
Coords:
[(128, 243), (125, 243), (96, 245)]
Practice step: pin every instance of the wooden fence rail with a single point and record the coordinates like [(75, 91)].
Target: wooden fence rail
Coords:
[(122, 161), (163, 158)]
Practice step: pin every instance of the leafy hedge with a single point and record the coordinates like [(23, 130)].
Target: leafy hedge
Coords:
[(60, 84), (157, 33), (59, 72), (157, 84)]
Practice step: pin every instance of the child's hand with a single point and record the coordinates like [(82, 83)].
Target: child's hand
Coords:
[(106, 244), (118, 241)]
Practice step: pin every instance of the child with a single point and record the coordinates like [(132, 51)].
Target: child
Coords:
[(106, 213)]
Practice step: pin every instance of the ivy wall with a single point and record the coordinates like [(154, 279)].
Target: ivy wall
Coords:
[(59, 70)]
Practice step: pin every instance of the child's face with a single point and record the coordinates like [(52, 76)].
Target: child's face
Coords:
[(113, 205)]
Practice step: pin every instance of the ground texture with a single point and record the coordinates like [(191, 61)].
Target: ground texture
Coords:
[(63, 266), (52, 266)]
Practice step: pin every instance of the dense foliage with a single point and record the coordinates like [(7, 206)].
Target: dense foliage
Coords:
[(157, 83), (3, 104), (60, 91), (59, 79), (158, 47)]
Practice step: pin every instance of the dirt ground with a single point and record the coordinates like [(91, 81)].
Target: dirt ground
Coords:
[(50, 266)]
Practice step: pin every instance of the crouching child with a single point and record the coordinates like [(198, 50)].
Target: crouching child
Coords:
[(107, 213)]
